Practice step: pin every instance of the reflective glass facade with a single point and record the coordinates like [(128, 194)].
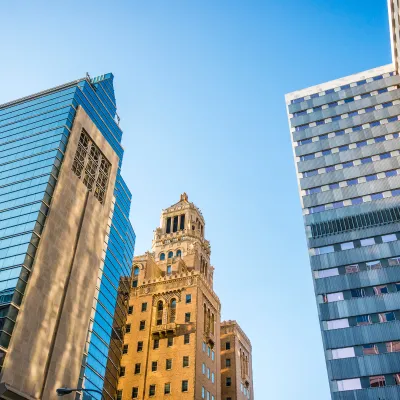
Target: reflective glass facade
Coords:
[(34, 135), (347, 156)]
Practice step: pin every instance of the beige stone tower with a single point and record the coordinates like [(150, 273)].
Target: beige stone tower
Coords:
[(171, 343), (236, 363)]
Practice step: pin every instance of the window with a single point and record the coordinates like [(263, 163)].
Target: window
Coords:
[(188, 298), (228, 381), (186, 338), (204, 347), (185, 361), (324, 250), (212, 355), (142, 325), (352, 269), (175, 224), (185, 386), (187, 317), (208, 351), (170, 341), (338, 323), (367, 242), (394, 261), (179, 253), (374, 265), (349, 384), (397, 379), (347, 245), (393, 347), (369, 349), (134, 283), (387, 317), (130, 310), (326, 273), (363, 320), (127, 328), (203, 392), (136, 271), (389, 238), (357, 293), (168, 363), (139, 346), (382, 289), (331, 297), (152, 390), (170, 254), (172, 311), (119, 394), (154, 366), (203, 369), (137, 368), (122, 371), (377, 381), (212, 377), (144, 307), (228, 362), (135, 392), (156, 344), (168, 230), (167, 388), (125, 349), (227, 345), (162, 256), (346, 352), (169, 269), (208, 373)]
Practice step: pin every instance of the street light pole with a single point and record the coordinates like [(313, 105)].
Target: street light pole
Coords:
[(65, 390)]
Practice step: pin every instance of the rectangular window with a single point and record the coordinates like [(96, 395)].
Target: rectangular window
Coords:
[(377, 381), (382, 289), (208, 351), (347, 245), (156, 344), (134, 283), (154, 365), (122, 371), (137, 368), (185, 386), (127, 328), (332, 297), (208, 373), (326, 273), (187, 317), (169, 269), (338, 323), (371, 265), (142, 325), (203, 369), (349, 384), (170, 341), (363, 320), (185, 361), (119, 394), (324, 250), (167, 388), (212, 355), (168, 230), (212, 377), (152, 390), (125, 349), (139, 346), (346, 352), (367, 242), (135, 392), (357, 293), (182, 222), (228, 381), (387, 317), (204, 347), (228, 362), (186, 338), (188, 298), (175, 224), (227, 345), (351, 269), (389, 238), (144, 307), (394, 261), (130, 310), (369, 349), (393, 347), (168, 363), (203, 392)]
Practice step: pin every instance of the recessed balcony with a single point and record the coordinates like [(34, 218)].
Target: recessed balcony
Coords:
[(164, 330)]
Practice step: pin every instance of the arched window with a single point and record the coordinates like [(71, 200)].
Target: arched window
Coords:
[(172, 311), (162, 257), (179, 253), (136, 271), (160, 309), (170, 254)]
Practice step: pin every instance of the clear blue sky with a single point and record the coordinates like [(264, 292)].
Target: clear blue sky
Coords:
[(200, 88)]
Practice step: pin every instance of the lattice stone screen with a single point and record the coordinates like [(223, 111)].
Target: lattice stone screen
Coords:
[(91, 166)]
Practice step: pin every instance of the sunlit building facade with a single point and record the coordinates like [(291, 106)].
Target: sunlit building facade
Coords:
[(346, 145), (65, 240)]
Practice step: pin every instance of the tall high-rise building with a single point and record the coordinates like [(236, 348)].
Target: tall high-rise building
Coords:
[(172, 335), (346, 145), (65, 240), (236, 363)]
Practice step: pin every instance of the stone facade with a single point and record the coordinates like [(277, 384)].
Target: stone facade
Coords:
[(236, 363), (172, 338)]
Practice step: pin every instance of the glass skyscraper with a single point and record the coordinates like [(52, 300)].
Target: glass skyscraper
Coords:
[(35, 135), (346, 144)]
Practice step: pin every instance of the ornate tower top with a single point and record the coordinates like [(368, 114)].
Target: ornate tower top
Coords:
[(184, 197)]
